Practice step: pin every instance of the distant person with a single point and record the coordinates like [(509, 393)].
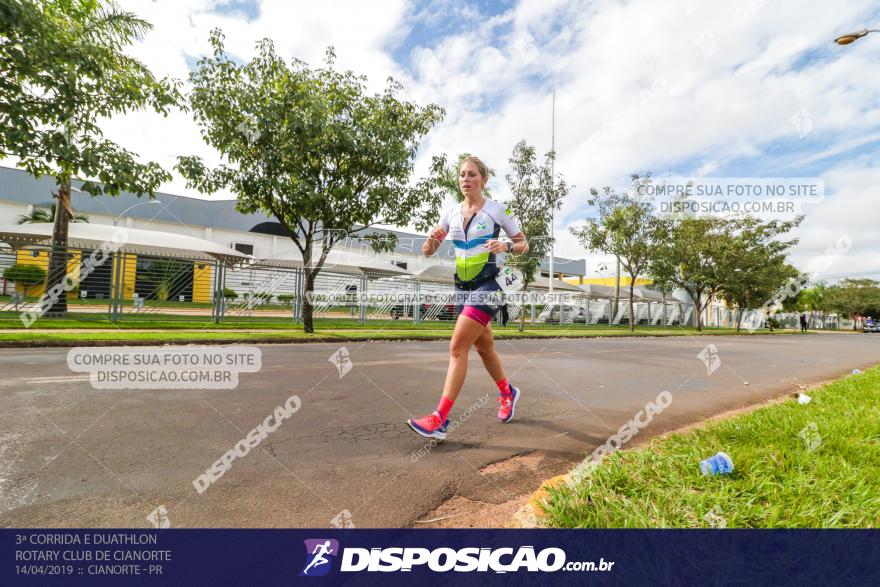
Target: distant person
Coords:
[(474, 227), (803, 322)]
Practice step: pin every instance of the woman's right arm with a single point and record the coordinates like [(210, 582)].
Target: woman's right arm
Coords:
[(433, 241)]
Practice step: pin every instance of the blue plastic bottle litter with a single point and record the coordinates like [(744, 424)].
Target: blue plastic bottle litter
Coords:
[(718, 464)]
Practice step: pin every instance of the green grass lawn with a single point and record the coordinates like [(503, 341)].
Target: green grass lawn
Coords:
[(777, 480), (321, 333), (170, 328), (11, 320)]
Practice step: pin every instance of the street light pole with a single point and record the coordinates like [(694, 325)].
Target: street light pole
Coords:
[(853, 37), (552, 186)]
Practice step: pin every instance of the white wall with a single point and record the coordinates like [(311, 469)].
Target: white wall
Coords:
[(10, 211)]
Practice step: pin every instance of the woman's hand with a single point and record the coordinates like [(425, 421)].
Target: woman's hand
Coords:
[(437, 234), (432, 243)]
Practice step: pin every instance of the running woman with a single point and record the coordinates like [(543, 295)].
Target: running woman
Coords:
[(474, 227)]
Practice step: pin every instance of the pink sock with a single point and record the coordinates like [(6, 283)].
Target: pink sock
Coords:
[(503, 387), (444, 406)]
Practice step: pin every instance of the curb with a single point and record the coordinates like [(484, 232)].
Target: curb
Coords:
[(153, 342), (6, 344), (531, 515)]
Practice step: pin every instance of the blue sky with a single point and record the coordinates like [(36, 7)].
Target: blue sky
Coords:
[(750, 89), (432, 21)]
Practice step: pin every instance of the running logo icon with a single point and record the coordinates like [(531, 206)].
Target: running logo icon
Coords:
[(320, 553)]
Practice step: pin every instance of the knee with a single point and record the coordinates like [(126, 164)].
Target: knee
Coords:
[(485, 350), (457, 350)]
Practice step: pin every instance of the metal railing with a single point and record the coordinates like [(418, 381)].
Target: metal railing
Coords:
[(164, 289)]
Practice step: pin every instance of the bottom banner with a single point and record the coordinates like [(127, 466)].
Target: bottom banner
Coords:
[(357, 556)]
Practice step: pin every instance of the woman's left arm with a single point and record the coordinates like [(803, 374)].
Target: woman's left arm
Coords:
[(519, 246)]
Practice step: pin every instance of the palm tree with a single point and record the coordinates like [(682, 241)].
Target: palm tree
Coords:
[(815, 300), (448, 178), (41, 215)]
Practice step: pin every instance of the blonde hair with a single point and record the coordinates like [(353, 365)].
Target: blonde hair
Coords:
[(481, 167)]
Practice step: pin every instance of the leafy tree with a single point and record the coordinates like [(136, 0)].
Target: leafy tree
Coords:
[(311, 148), (687, 256), (709, 256), (854, 297), (626, 228), (44, 215), (815, 299), (26, 275), (753, 265), (756, 283), (662, 275), (536, 194), (62, 69)]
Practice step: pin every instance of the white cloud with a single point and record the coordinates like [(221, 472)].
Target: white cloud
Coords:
[(851, 213), (634, 91), (181, 28)]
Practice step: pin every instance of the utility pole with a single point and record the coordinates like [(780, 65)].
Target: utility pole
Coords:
[(552, 186)]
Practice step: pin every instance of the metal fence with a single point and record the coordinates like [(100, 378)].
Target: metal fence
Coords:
[(128, 285)]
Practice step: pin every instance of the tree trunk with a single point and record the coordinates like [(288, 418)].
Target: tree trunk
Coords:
[(698, 312), (739, 317), (307, 307), (616, 292), (632, 314), (58, 255), (665, 315)]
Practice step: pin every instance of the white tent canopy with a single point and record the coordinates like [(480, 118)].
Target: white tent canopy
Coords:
[(340, 260), (652, 295), (84, 235), (597, 290), (542, 282), (436, 270)]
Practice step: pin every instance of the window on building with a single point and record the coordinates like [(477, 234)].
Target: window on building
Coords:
[(243, 248)]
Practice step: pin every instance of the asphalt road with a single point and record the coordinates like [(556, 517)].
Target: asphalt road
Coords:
[(72, 456)]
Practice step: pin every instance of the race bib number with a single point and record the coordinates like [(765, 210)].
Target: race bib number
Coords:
[(510, 281)]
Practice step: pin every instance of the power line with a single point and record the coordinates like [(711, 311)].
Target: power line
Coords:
[(846, 275)]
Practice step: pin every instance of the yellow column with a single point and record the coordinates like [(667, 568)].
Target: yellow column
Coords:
[(129, 275), (201, 282)]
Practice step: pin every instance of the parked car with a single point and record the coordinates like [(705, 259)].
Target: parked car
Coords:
[(871, 326), (447, 312), (572, 313)]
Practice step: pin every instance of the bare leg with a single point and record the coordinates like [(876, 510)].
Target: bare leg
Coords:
[(467, 331), (485, 345)]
